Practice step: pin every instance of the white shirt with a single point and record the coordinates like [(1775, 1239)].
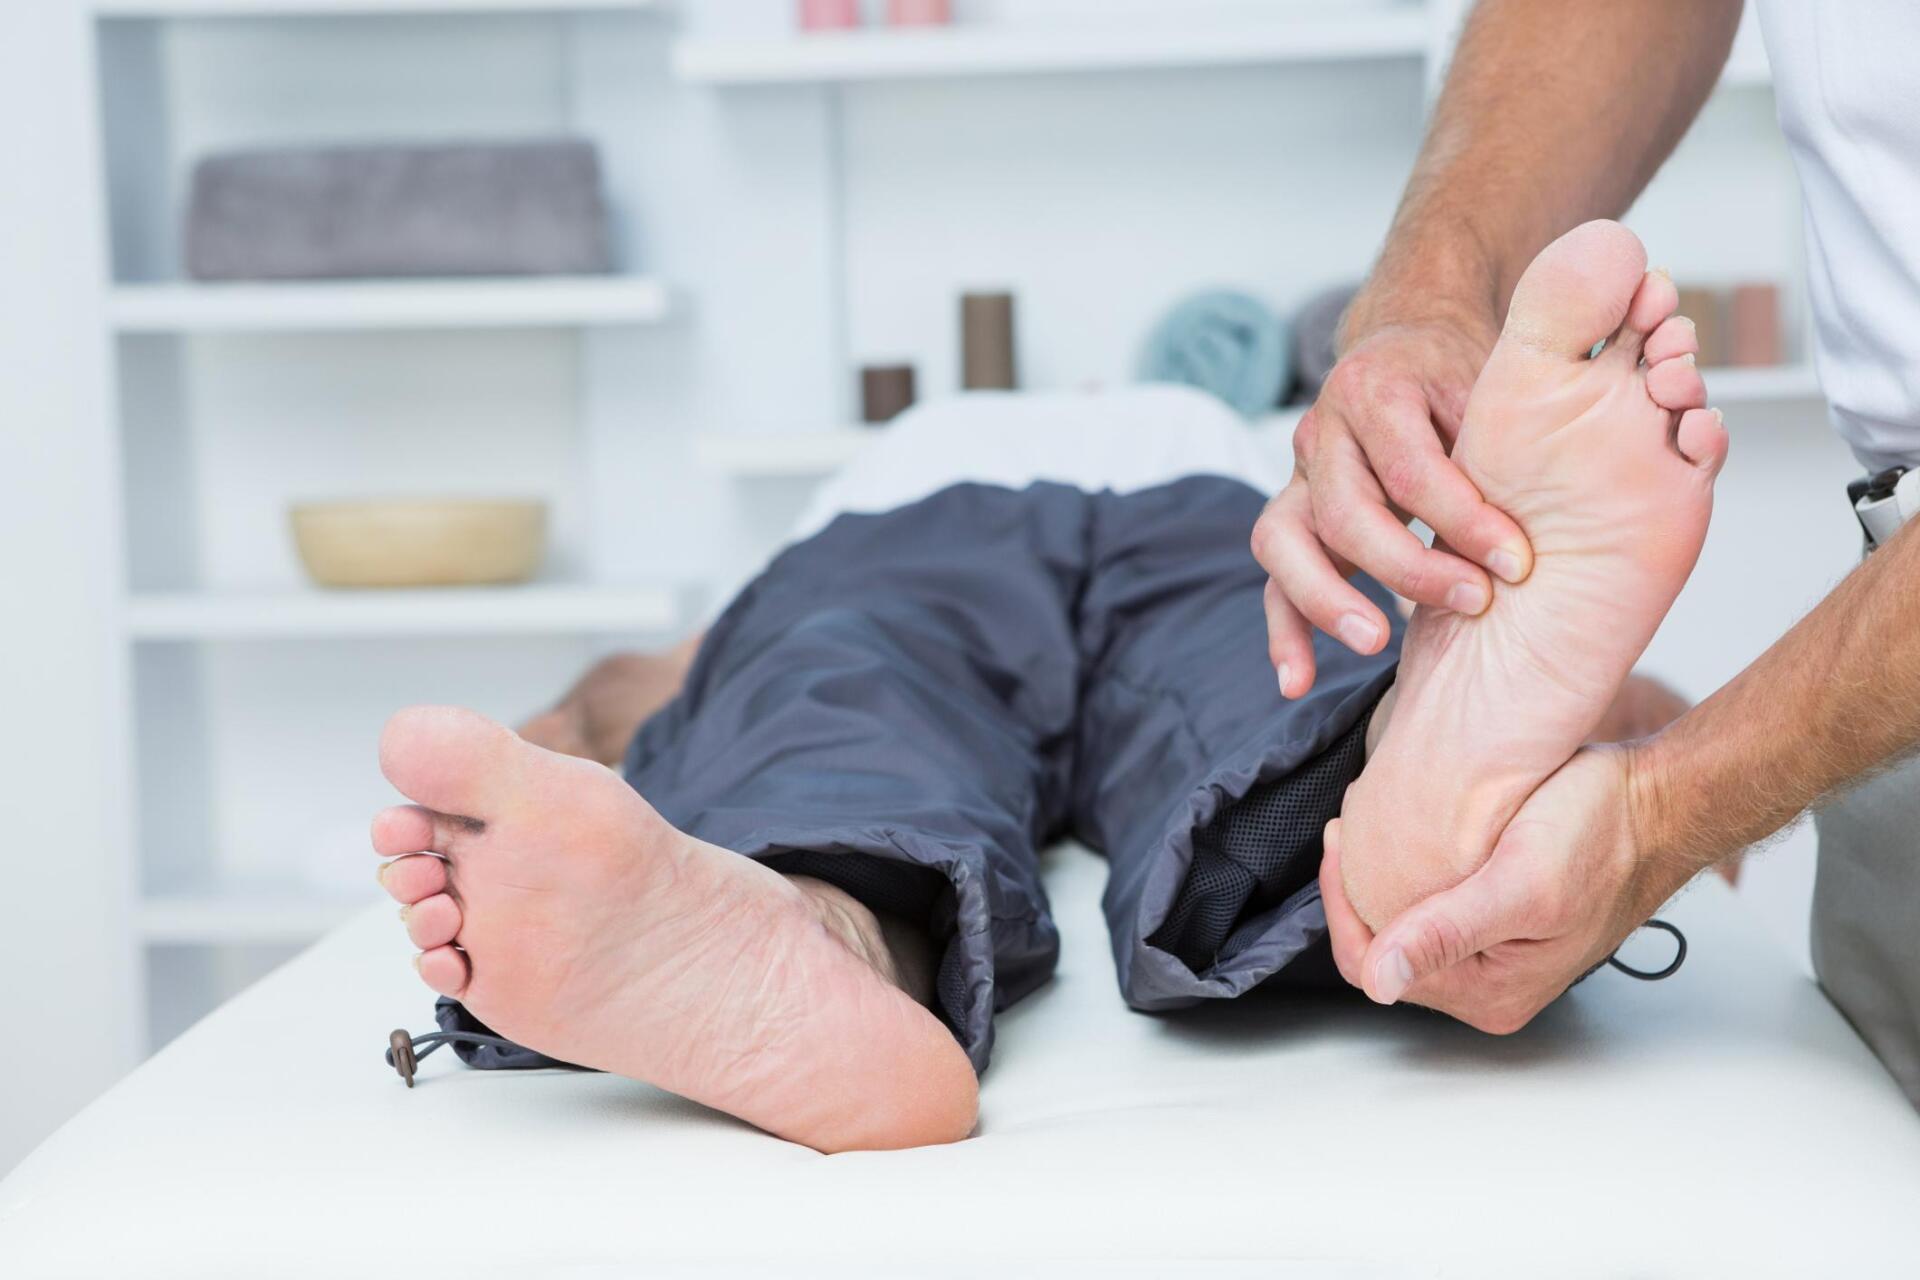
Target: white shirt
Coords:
[(1846, 77)]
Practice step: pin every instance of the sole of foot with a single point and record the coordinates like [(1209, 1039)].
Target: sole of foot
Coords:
[(1606, 456), (552, 900)]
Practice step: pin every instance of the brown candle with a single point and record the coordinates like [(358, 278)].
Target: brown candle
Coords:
[(886, 391), (986, 342)]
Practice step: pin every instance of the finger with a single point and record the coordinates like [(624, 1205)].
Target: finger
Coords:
[(414, 877), (1290, 551), (1345, 929), (1355, 522), (1289, 643), (1440, 932), (432, 922), (1418, 476), (444, 969), (1677, 336), (1676, 384), (1702, 439)]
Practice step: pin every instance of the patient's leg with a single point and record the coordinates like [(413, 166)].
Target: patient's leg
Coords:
[(1608, 463), (599, 716), (593, 931)]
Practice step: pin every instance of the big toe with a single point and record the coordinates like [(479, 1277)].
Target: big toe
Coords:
[(448, 758), (1578, 291)]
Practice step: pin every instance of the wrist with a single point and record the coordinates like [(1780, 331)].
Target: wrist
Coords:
[(1658, 835), (1434, 278)]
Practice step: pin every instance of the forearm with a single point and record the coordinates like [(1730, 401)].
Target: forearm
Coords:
[(1835, 699), (1554, 112)]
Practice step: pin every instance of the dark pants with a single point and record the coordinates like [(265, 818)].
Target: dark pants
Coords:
[(914, 705)]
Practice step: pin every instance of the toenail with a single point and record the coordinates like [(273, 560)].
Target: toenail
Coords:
[(1718, 416), (380, 873), (1284, 672), (1505, 563), (1466, 597), (404, 913), (1357, 632), (1687, 321), (1663, 273), (1690, 358), (418, 956)]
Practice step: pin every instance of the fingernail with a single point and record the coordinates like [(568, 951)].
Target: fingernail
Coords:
[(418, 956), (1357, 632), (1466, 597), (1285, 672), (1391, 977), (1505, 563)]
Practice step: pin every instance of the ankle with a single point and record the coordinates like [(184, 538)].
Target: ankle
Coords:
[(892, 948)]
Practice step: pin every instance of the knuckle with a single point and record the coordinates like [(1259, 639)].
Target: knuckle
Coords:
[(1403, 476)]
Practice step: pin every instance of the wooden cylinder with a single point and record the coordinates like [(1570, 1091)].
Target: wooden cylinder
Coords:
[(886, 391), (986, 342)]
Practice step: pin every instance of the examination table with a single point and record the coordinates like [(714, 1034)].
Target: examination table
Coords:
[(1724, 1122)]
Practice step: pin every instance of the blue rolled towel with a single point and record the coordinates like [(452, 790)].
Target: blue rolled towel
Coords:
[(1231, 344)]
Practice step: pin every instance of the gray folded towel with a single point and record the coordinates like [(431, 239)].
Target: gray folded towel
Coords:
[(465, 209)]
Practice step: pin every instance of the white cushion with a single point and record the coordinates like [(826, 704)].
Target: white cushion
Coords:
[(1725, 1121)]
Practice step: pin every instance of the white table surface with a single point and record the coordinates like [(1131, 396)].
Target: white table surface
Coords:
[(1724, 1122)]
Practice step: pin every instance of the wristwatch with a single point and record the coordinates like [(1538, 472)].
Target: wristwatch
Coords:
[(1884, 501)]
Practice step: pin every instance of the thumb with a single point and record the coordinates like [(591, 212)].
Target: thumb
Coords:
[(1437, 934)]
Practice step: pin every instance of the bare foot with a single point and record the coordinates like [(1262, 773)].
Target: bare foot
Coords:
[(1608, 464), (570, 917), (598, 717)]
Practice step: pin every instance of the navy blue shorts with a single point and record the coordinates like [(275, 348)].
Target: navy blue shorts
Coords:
[(914, 705)]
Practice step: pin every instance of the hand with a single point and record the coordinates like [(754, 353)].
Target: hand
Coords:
[(1371, 452), (1564, 887)]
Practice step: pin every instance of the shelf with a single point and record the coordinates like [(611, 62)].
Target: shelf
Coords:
[(314, 614), (237, 917), (322, 8), (1324, 34), (366, 305), (1784, 383), (811, 455)]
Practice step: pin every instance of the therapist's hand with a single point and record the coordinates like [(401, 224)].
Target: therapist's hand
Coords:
[(1370, 453), (1565, 886)]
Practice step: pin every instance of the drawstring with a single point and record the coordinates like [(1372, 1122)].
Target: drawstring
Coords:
[(404, 1053), (1673, 967)]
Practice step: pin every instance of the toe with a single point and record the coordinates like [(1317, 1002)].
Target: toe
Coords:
[(413, 878), (1702, 439), (444, 969), (447, 758), (1652, 306), (1578, 291), (1675, 385), (405, 828), (1675, 337), (432, 922)]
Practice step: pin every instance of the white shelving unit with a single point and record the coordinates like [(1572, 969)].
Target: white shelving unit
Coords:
[(235, 398), (364, 306)]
